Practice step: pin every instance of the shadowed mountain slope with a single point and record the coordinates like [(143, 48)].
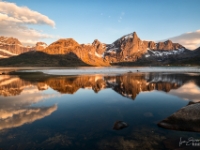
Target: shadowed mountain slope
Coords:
[(36, 58)]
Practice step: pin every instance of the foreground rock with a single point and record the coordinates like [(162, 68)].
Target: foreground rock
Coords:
[(118, 125), (186, 119)]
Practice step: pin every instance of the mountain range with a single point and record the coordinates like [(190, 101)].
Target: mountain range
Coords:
[(127, 50)]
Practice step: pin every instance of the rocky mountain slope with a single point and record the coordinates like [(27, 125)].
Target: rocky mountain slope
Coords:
[(127, 50), (89, 53), (130, 48), (10, 46)]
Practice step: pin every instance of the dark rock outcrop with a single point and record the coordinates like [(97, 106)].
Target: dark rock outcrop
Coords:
[(118, 125), (186, 119)]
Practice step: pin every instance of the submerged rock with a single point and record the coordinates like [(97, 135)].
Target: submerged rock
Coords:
[(118, 125), (186, 119)]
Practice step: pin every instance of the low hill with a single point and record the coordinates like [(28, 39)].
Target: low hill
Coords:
[(41, 59)]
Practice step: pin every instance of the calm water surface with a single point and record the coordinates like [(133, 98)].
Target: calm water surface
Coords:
[(78, 112)]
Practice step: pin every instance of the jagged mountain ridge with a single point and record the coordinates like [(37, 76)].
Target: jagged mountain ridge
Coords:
[(128, 49)]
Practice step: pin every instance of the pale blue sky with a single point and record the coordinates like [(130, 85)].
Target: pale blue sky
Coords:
[(107, 20)]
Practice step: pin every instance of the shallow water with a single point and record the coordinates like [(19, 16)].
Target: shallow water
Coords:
[(78, 112)]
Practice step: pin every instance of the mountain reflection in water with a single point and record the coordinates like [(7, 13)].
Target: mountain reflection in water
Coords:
[(128, 85), (24, 100), (16, 111)]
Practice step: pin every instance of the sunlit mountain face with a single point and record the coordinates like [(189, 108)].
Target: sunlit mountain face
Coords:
[(60, 111)]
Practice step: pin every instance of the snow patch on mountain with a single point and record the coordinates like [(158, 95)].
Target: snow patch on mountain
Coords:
[(2, 56), (12, 44), (100, 56), (165, 78), (161, 53), (7, 52), (128, 36), (44, 45), (88, 44)]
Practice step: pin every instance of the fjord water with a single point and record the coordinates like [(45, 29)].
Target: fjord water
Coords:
[(78, 112)]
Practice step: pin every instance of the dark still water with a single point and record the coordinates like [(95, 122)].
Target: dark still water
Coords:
[(78, 112)]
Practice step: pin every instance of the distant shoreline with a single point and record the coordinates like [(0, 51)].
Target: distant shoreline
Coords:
[(103, 70)]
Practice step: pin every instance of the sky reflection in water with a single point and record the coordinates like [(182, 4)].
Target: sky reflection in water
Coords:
[(79, 111)]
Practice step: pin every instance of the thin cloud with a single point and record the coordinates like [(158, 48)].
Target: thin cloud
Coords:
[(121, 17), (190, 40), (14, 21)]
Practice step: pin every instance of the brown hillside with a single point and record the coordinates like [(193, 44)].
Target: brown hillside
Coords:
[(87, 53)]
